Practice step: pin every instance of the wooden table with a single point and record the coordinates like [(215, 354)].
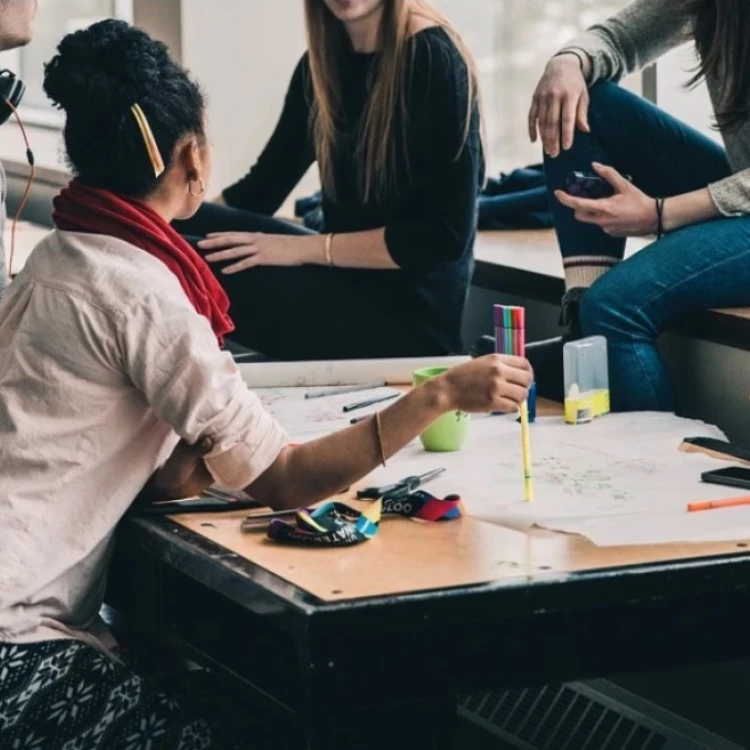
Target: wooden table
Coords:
[(369, 646)]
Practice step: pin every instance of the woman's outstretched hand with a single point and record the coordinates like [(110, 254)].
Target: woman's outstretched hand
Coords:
[(318, 469)]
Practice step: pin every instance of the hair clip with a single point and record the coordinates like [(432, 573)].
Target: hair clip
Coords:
[(148, 138)]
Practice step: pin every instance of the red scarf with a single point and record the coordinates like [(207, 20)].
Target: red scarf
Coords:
[(80, 208)]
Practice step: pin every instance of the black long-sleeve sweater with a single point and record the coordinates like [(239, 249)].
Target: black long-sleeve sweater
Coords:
[(430, 226)]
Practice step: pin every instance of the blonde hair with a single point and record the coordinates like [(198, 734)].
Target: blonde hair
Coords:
[(378, 140)]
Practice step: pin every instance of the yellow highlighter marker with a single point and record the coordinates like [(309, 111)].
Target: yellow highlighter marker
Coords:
[(528, 486)]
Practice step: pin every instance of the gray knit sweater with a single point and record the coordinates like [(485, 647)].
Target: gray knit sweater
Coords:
[(638, 35)]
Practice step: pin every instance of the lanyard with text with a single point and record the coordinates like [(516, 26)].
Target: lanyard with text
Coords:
[(339, 525)]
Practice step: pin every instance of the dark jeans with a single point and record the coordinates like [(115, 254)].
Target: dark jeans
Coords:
[(309, 312), (700, 266)]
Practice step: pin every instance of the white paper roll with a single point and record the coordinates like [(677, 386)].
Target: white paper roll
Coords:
[(340, 372)]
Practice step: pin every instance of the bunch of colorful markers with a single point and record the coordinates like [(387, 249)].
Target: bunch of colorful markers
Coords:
[(510, 338)]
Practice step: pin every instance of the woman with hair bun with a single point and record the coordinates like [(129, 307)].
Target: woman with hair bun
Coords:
[(112, 382)]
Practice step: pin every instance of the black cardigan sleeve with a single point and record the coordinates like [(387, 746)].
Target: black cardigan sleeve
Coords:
[(447, 169), (286, 157)]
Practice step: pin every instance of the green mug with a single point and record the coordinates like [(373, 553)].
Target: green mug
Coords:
[(449, 432)]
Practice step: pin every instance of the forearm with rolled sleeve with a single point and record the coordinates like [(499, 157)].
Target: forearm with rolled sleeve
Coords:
[(173, 358)]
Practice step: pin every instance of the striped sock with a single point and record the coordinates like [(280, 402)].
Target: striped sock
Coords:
[(581, 271)]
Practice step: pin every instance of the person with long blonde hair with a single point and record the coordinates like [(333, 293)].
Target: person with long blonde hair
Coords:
[(385, 100)]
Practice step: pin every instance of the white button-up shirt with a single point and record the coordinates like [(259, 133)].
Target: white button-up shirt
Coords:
[(104, 365)]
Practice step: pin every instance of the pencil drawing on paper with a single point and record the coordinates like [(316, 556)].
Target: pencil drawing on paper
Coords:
[(581, 481), (302, 417)]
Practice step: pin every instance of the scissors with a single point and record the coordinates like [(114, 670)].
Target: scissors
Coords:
[(399, 489), (212, 500)]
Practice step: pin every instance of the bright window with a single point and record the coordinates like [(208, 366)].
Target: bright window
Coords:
[(55, 19), (525, 33)]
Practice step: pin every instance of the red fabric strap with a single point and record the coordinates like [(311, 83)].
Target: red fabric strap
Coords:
[(80, 208)]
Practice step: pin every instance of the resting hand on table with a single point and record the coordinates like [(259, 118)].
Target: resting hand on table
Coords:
[(251, 249), (628, 213)]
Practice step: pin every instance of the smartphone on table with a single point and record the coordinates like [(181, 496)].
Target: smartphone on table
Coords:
[(732, 476)]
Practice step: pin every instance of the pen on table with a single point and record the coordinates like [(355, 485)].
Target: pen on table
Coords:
[(346, 389), (731, 502), (370, 402)]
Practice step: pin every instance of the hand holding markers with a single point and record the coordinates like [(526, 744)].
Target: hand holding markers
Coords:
[(510, 338), (493, 383)]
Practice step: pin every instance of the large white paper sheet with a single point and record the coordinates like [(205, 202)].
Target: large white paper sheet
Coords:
[(620, 480), (341, 372), (306, 419)]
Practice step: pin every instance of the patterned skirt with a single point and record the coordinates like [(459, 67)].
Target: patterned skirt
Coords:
[(65, 695)]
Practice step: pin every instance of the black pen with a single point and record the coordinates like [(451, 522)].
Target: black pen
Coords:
[(357, 420), (371, 402)]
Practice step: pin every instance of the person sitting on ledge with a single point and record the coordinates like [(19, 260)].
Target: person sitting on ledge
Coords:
[(667, 180)]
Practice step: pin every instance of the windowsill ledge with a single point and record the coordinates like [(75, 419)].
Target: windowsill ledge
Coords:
[(527, 264), (46, 143)]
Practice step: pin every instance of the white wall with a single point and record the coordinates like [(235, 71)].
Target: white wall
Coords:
[(243, 52)]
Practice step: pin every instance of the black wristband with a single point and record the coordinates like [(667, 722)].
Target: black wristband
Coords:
[(578, 56), (659, 218)]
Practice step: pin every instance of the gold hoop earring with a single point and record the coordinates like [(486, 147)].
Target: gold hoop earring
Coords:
[(201, 185)]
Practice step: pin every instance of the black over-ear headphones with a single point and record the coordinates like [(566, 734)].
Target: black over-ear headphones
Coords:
[(12, 90)]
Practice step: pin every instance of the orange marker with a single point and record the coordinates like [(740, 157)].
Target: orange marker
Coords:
[(731, 502)]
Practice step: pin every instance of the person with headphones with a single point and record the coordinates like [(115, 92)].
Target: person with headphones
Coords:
[(16, 22)]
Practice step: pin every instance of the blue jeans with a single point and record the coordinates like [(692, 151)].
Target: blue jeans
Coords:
[(701, 266)]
